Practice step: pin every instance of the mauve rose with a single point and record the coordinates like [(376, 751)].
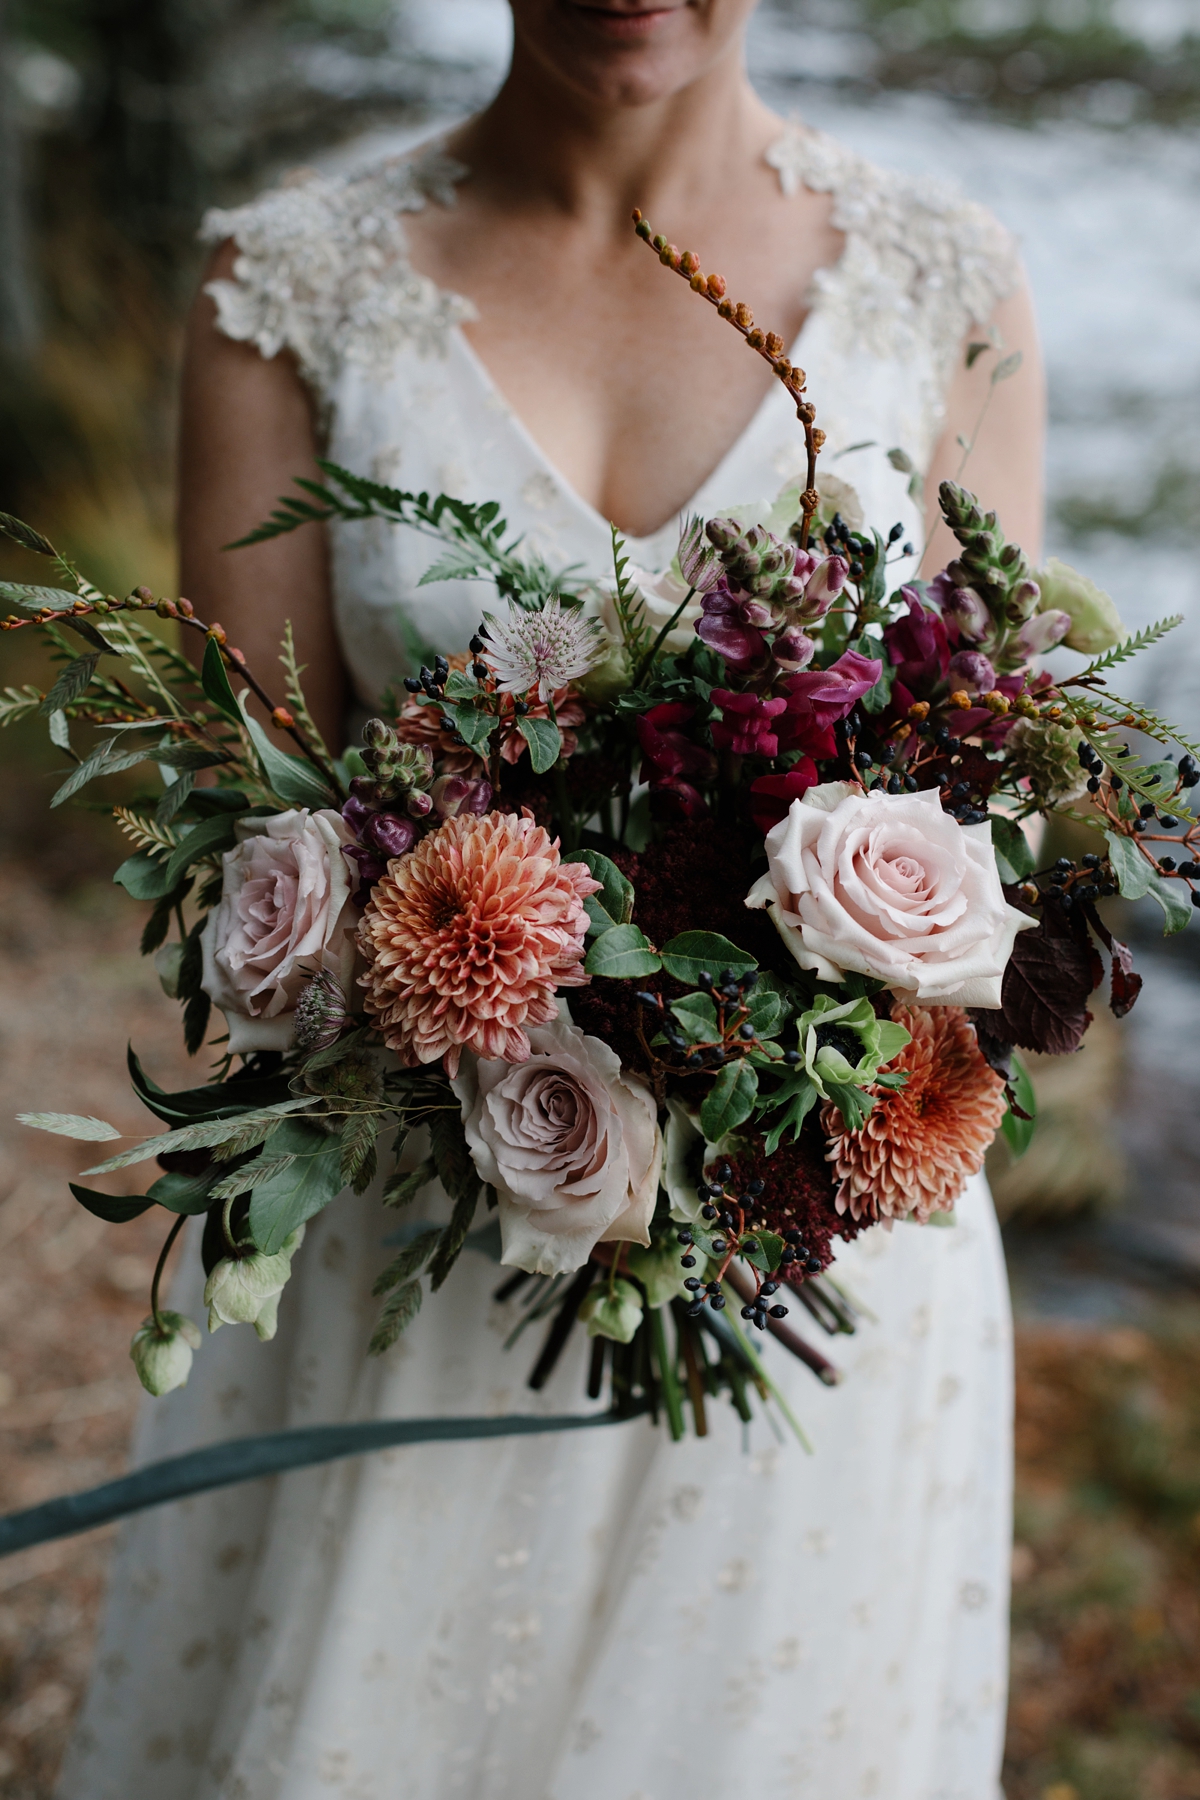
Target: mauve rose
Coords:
[(893, 887), (570, 1144), (284, 911)]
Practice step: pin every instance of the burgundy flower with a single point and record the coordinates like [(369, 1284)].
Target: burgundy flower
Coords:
[(672, 798), (918, 645), (772, 795), (818, 698), (961, 607), (745, 729), (729, 624), (665, 748)]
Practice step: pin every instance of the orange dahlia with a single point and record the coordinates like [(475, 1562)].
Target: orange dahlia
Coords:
[(467, 938), (920, 1142)]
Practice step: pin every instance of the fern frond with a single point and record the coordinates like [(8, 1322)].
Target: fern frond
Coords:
[(1130, 646), (146, 834), (292, 671), (628, 603), (16, 703)]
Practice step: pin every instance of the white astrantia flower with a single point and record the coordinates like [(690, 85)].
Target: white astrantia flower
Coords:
[(543, 650)]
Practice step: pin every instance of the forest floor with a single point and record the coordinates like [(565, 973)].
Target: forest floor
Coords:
[(1106, 1598)]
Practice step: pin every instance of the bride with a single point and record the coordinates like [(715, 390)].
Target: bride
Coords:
[(602, 1615)]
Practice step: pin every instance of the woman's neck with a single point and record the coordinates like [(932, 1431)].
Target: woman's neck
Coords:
[(542, 146)]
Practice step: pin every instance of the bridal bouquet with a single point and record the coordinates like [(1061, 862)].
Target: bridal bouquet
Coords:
[(669, 933)]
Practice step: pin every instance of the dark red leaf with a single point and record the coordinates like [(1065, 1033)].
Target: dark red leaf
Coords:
[(1046, 987), (1126, 986)]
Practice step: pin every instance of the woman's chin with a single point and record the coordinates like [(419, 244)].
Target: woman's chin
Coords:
[(628, 56)]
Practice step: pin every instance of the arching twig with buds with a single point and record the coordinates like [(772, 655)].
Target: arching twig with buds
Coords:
[(768, 344)]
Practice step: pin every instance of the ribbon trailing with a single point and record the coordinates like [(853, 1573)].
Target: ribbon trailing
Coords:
[(249, 1458)]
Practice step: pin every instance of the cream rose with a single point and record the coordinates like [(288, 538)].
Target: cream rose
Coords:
[(570, 1144), (284, 911), (890, 885)]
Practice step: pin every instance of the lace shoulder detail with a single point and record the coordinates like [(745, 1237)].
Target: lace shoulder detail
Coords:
[(922, 263), (323, 267)]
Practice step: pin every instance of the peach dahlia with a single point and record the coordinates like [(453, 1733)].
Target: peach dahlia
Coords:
[(921, 1142), (467, 938)]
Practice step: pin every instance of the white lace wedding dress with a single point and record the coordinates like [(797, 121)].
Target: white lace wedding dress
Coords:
[(601, 1616)]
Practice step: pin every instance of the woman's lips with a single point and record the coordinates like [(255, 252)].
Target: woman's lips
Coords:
[(624, 25)]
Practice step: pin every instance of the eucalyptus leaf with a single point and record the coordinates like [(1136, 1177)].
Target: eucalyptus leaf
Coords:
[(730, 1100), (690, 954), (1014, 858), (1134, 872), (622, 952), (1017, 1132), (301, 1190), (1175, 901), (544, 740)]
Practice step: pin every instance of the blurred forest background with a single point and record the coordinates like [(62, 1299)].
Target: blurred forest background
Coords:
[(1078, 121)]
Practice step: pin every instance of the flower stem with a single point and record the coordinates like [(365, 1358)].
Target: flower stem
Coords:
[(174, 1232)]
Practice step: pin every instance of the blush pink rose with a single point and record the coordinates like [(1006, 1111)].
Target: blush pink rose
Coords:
[(893, 887), (284, 912), (570, 1144)]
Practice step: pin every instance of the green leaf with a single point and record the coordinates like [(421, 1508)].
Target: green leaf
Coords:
[(295, 781), (730, 1100), (83, 1128), (215, 682), (403, 1187), (410, 1260), (209, 1134), (794, 1098), (624, 951), (190, 756), (1018, 1133), (1014, 858), (71, 683), (614, 902), (202, 840), (301, 1190), (473, 727), (455, 1235), (766, 1011), (181, 1193), (103, 761), (1134, 872), (460, 685), (1175, 900), (853, 1103), (697, 1016), (1007, 366), (398, 1312), (768, 1252), (33, 599), (219, 1100), (687, 956), (26, 536), (544, 740), (115, 1209)]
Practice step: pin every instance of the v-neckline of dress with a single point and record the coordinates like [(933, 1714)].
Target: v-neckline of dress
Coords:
[(791, 175)]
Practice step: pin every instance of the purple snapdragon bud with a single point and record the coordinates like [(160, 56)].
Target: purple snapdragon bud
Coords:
[(390, 834), (479, 800), (356, 813), (370, 870), (453, 794), (755, 612), (793, 649), (723, 533), (1022, 602), (972, 670), (1042, 632), (419, 804), (823, 587), (698, 563), (964, 606)]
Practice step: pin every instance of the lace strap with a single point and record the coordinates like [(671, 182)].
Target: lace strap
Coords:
[(323, 268), (922, 262)]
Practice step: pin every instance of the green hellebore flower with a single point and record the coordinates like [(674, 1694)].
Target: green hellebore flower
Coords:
[(846, 1044), (1095, 622), (659, 1271), (163, 1360), (614, 1312), (245, 1290)]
